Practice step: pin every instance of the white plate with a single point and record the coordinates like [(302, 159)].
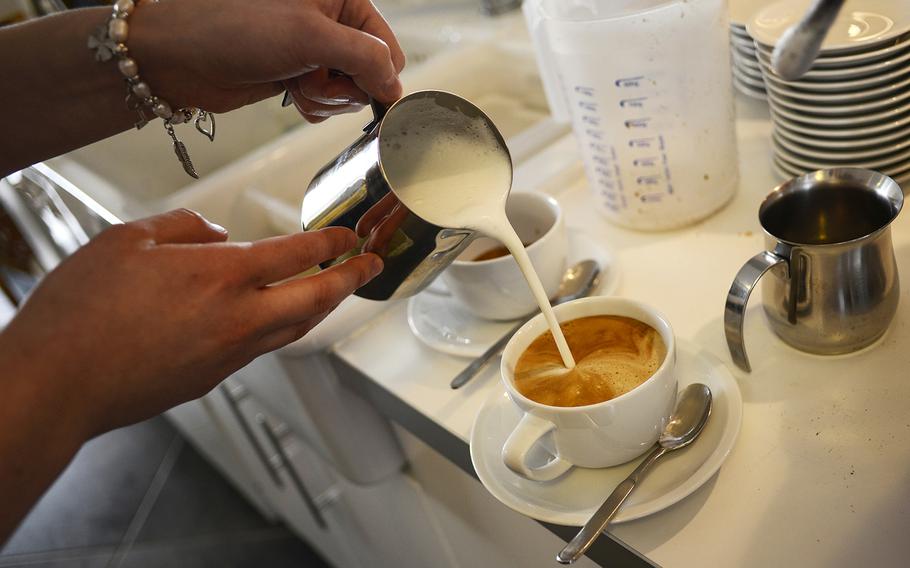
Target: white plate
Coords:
[(899, 60), (861, 25), (849, 153), (898, 172), (440, 322), (888, 162), (741, 11), (863, 58), (752, 82), (840, 121), (840, 144), (743, 51), (574, 497), (749, 91), (840, 98), (849, 85), (844, 110), (746, 62), (890, 130)]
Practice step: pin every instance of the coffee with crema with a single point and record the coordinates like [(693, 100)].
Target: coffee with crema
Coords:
[(613, 355)]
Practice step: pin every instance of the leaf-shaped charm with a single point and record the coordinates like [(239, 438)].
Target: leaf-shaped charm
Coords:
[(184, 157)]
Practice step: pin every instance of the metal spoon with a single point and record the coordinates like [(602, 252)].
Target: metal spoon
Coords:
[(798, 46), (692, 410), (577, 282)]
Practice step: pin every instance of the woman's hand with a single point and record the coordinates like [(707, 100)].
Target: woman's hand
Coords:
[(156, 312), (331, 55)]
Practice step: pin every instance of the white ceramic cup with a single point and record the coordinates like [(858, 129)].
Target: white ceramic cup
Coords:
[(597, 435), (496, 289)]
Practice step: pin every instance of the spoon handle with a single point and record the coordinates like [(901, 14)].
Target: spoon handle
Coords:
[(597, 523), (476, 365)]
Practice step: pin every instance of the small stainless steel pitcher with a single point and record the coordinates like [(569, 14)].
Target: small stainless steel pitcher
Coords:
[(832, 284), (354, 191)]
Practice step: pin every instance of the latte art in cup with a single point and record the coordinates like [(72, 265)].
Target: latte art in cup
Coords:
[(613, 355)]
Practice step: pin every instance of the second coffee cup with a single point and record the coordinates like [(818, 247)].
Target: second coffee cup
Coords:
[(602, 434), (486, 280)]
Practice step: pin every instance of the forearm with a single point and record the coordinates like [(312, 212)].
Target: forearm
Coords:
[(39, 431), (55, 96)]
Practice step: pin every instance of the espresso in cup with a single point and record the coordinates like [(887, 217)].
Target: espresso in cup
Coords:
[(613, 355), (495, 252)]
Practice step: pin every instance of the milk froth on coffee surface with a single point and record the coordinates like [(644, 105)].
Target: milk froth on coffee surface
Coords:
[(613, 355)]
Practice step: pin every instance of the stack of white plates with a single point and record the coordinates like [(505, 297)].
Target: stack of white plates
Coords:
[(747, 77), (853, 106)]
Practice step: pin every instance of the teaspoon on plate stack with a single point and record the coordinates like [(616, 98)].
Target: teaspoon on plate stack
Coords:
[(852, 107)]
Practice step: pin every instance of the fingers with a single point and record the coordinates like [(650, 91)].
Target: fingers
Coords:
[(376, 214), (363, 15), (366, 58), (290, 334), (277, 258), (381, 236), (296, 301), (323, 87), (180, 226)]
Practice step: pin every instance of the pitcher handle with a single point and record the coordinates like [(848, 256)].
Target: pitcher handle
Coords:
[(379, 111), (735, 309)]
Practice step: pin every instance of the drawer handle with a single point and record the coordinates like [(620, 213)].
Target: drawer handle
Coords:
[(233, 397), (308, 500)]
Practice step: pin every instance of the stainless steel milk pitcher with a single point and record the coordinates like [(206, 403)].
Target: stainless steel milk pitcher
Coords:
[(831, 283), (353, 191)]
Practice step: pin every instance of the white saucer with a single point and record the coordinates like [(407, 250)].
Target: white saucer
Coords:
[(877, 23), (440, 322), (843, 110), (574, 497)]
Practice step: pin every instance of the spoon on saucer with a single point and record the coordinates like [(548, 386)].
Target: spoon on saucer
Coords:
[(577, 282), (693, 406)]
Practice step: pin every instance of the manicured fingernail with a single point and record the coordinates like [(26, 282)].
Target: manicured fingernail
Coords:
[(287, 100), (217, 227)]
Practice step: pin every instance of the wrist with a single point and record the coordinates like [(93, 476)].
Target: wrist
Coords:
[(39, 395), (151, 37)]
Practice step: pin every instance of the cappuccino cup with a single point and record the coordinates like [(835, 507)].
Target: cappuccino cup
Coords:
[(486, 280), (601, 434)]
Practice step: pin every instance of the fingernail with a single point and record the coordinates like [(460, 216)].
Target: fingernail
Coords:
[(287, 100), (376, 265), (217, 227)]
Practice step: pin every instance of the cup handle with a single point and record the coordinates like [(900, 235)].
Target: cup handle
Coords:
[(735, 309), (515, 451)]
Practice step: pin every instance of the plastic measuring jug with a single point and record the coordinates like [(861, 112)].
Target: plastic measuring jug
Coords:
[(647, 86)]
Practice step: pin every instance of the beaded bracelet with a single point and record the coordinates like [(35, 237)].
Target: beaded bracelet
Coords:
[(109, 42)]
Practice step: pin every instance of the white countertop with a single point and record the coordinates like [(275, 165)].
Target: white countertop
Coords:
[(818, 476)]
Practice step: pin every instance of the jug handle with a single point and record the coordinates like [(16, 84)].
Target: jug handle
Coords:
[(738, 296), (379, 111)]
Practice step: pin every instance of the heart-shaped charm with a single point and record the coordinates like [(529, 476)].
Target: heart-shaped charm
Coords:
[(205, 124)]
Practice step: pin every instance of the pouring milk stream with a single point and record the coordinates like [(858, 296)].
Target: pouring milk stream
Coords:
[(450, 169)]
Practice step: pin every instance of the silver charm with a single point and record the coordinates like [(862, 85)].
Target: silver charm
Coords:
[(202, 121), (182, 154), (102, 43)]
